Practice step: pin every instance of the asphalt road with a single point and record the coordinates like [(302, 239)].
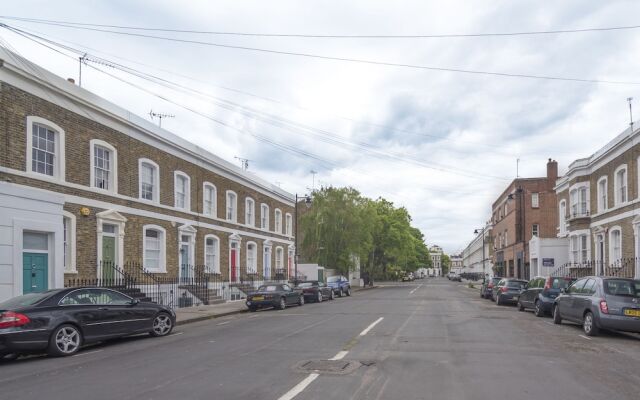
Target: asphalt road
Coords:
[(429, 339)]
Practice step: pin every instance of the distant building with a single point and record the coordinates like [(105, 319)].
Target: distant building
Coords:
[(456, 264), (436, 260), (526, 208), (474, 260)]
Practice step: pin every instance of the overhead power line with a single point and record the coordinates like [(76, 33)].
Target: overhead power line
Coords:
[(351, 60), (330, 36)]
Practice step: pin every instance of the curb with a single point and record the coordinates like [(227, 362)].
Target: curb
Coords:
[(365, 288), (206, 317)]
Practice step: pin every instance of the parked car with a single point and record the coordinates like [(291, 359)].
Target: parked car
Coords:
[(541, 292), (456, 278), (277, 295), (59, 322), (486, 290), (340, 285), (600, 303), (508, 290), (315, 291), (451, 275), (407, 278)]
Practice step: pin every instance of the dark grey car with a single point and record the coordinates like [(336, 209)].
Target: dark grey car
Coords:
[(508, 290), (600, 303)]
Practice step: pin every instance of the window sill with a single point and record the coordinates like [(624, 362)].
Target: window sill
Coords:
[(155, 271), (71, 271)]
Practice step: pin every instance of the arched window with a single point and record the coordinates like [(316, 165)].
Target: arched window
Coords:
[(148, 180), (288, 224), (45, 148), (279, 259), (264, 217), (620, 184), (212, 254), (252, 258), (104, 166), (249, 212), (154, 248), (615, 244), (209, 201), (182, 190), (232, 206), (278, 221), (602, 194)]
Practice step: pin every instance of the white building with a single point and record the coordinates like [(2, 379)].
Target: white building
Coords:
[(456, 264), (473, 259), (546, 254), (436, 260)]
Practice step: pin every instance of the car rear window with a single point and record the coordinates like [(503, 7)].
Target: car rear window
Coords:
[(560, 283), (269, 288), (622, 287), (495, 280), (333, 279), (516, 284), (23, 301), (306, 284)]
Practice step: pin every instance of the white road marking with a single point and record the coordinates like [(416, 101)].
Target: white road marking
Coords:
[(212, 341), (585, 337), (364, 332), (339, 356), (87, 353), (297, 389), (411, 292), (223, 323), (176, 334)]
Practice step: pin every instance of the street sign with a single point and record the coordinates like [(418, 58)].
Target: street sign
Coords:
[(548, 262)]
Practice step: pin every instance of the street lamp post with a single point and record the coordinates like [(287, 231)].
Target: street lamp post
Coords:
[(483, 256), (307, 202)]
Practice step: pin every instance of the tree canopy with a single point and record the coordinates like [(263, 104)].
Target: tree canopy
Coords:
[(343, 227)]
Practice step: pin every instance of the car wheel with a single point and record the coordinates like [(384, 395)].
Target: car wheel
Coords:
[(332, 295), (162, 325), (589, 325), (348, 291), (301, 301), (538, 309), (498, 302), (556, 315), (341, 293), (319, 299), (283, 304), (65, 341), (520, 306)]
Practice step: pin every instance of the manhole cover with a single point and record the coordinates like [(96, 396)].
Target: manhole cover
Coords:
[(336, 367)]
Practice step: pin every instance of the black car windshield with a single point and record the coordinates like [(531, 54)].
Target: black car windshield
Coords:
[(24, 300), (515, 284), (333, 279), (269, 288), (622, 287)]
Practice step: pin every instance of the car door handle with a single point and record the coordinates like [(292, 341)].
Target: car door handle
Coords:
[(103, 309)]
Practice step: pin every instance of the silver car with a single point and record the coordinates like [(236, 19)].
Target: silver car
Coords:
[(600, 303)]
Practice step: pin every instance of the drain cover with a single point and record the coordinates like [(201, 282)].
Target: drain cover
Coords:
[(335, 367)]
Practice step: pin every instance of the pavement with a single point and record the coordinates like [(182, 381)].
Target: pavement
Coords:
[(427, 339), (195, 314)]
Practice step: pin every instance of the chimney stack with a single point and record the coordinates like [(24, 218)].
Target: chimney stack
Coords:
[(71, 80), (552, 171)]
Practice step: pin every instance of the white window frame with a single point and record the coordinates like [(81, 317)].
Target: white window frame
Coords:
[(213, 211), (59, 156), (215, 269), (187, 194), (156, 180), (234, 208), (535, 200), (162, 261), (579, 200), (288, 224), (113, 173), (603, 195), (535, 232), (277, 223), (249, 212), (279, 259), (616, 185), (252, 258), (612, 256), (264, 216), (70, 250), (562, 216)]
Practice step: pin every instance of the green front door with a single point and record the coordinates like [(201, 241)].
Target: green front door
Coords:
[(35, 272), (108, 257)]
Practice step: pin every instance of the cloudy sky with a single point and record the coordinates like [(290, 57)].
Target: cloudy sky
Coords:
[(443, 144)]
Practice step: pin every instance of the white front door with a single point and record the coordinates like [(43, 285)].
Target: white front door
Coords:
[(266, 262), (186, 257)]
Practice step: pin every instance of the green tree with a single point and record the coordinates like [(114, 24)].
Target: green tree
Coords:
[(446, 264)]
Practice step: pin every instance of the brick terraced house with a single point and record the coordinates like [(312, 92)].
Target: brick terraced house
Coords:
[(598, 211), (87, 187)]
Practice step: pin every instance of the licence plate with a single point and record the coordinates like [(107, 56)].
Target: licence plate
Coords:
[(256, 298), (516, 297), (632, 313)]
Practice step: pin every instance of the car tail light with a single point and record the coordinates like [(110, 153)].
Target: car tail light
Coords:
[(490, 285), (547, 284), (604, 308), (10, 319), (504, 289)]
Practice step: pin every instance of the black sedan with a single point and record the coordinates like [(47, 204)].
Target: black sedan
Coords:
[(315, 291), (60, 321), (276, 295)]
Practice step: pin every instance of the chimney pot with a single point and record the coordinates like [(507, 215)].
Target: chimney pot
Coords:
[(71, 80)]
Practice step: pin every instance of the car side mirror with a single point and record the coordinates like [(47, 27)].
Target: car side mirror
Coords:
[(134, 302), (563, 291)]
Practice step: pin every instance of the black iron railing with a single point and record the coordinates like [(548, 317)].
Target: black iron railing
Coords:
[(622, 268)]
